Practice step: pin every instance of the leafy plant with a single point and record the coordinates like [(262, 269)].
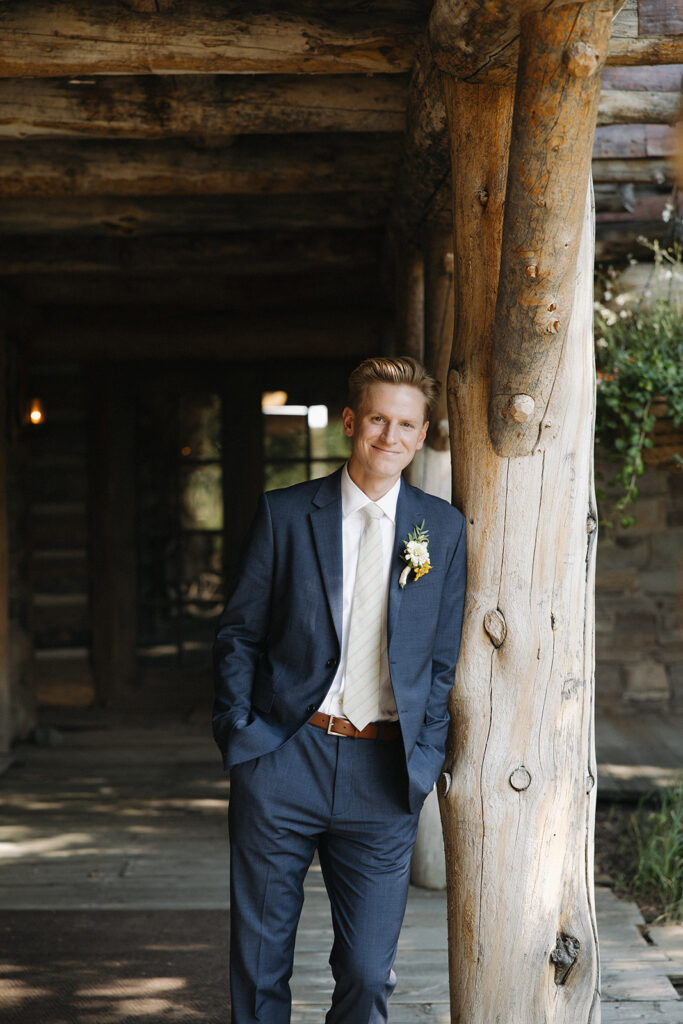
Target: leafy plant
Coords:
[(639, 355), (655, 835)]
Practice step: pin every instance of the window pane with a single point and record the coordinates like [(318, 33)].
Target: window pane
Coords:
[(319, 469), (330, 441), (201, 503), (201, 588), (284, 474), (200, 426), (284, 437)]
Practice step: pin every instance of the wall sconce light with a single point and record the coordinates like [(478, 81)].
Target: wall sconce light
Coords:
[(36, 412)]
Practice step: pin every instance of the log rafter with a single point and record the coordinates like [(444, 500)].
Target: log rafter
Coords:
[(48, 39), (200, 106)]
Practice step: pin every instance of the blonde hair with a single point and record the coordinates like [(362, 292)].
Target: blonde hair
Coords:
[(397, 370)]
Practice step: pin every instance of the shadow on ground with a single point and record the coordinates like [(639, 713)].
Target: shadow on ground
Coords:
[(114, 967)]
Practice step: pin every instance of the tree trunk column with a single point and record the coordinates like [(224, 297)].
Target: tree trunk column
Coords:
[(518, 817)]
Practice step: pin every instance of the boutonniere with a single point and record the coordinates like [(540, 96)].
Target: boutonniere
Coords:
[(415, 554)]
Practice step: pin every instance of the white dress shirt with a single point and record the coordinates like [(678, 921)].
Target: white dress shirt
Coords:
[(353, 521)]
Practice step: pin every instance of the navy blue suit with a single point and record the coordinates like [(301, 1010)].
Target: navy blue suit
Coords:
[(277, 651)]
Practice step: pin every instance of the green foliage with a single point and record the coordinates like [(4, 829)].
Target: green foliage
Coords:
[(639, 355), (655, 836)]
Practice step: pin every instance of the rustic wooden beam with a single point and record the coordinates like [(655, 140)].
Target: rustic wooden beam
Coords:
[(6, 710), (637, 171), (409, 300), (239, 252), (558, 88), (244, 338), (112, 533), (200, 106), (438, 322), (628, 141), (520, 750), (646, 50), (200, 291), (130, 217), (621, 106), (420, 196), (256, 165), (480, 42), (48, 39)]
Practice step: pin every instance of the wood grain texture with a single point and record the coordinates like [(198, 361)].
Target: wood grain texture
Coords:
[(622, 106), (558, 88), (519, 862), (76, 38), (258, 253), (200, 106), (254, 164)]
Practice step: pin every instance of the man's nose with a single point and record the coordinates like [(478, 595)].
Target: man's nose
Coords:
[(390, 432)]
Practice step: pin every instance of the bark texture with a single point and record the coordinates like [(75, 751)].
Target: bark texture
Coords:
[(558, 87), (518, 816)]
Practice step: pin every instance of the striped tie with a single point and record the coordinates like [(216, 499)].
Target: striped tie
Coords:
[(361, 680)]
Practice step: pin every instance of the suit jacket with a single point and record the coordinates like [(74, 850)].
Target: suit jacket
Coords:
[(279, 639)]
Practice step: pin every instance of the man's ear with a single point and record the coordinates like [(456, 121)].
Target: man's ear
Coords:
[(423, 434), (348, 419)]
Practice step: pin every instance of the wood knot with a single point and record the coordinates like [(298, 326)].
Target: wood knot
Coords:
[(553, 327), (454, 382), (483, 196), (590, 782), (520, 779), (564, 956), (448, 263), (531, 270), (520, 408), (581, 59), (495, 626), (591, 524)]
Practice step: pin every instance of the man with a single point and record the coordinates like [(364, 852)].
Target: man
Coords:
[(334, 660)]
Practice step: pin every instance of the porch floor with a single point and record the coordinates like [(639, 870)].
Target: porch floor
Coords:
[(114, 889)]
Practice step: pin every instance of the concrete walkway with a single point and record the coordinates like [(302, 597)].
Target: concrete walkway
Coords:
[(123, 818)]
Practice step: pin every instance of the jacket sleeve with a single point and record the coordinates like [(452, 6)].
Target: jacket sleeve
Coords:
[(243, 629), (432, 737)]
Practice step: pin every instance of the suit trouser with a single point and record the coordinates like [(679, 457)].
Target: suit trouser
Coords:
[(346, 798)]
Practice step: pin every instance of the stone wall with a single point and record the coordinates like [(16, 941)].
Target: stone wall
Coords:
[(639, 600)]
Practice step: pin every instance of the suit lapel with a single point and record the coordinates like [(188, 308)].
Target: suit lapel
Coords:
[(408, 515), (326, 521)]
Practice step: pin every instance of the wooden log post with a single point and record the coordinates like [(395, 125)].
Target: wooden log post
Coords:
[(518, 816), (431, 470), (112, 540), (409, 300), (6, 736), (562, 51)]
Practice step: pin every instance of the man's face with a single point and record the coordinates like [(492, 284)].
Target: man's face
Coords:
[(387, 429)]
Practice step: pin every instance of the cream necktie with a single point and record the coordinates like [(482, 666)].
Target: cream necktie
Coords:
[(360, 699)]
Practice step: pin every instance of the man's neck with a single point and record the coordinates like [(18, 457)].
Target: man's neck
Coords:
[(374, 487)]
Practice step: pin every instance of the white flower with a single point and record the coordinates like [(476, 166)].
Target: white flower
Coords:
[(601, 343), (416, 552), (666, 213), (403, 578), (607, 296), (623, 314)]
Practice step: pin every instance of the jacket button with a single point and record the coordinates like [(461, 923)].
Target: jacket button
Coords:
[(310, 709), (331, 662)]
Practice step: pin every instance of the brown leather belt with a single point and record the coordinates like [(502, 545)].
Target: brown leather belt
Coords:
[(342, 727)]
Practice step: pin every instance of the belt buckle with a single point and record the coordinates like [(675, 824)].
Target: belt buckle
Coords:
[(330, 726)]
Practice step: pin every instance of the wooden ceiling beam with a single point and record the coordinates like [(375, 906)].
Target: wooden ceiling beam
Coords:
[(241, 336), (200, 106), (202, 290), (77, 38), (130, 217), (239, 252), (478, 41), (253, 165)]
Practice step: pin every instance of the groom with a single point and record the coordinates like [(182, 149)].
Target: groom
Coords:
[(334, 659)]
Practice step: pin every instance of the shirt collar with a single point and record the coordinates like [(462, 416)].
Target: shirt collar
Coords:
[(354, 499)]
